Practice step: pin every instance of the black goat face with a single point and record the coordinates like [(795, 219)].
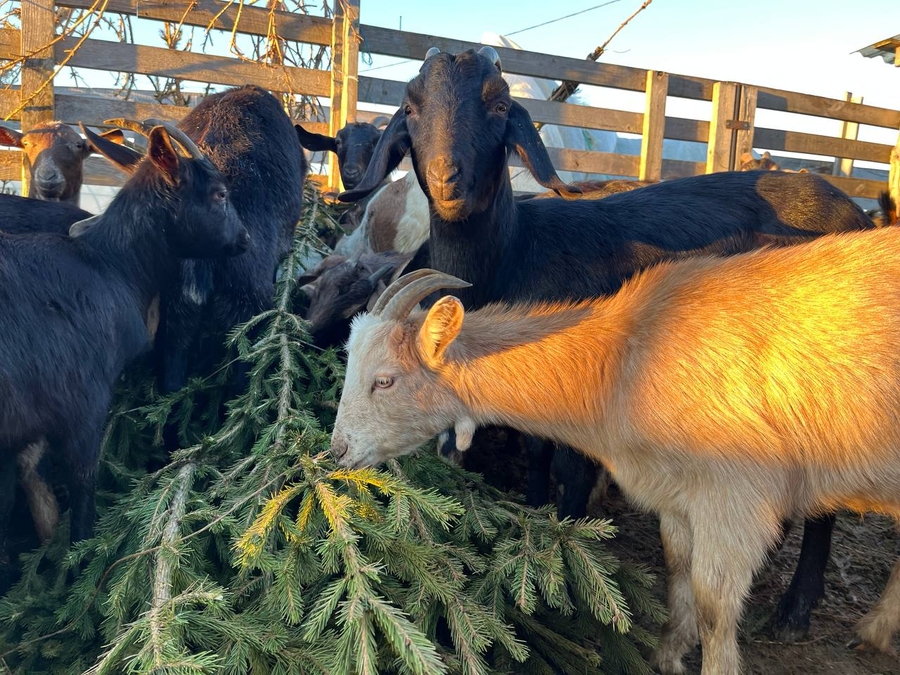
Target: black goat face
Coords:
[(206, 223), (355, 145), (456, 114), (460, 122)]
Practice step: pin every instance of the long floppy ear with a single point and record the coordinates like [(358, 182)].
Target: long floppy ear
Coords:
[(122, 156), (523, 139), (162, 153), (10, 137), (389, 152), (315, 142), (441, 326)]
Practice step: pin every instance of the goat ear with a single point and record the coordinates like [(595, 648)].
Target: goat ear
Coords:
[(122, 156), (523, 139), (746, 157), (442, 324), (114, 135), (389, 152), (10, 137), (315, 142), (163, 155)]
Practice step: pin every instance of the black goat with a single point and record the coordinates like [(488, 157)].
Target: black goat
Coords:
[(353, 145), (459, 122), (23, 215), (73, 310), (251, 141), (340, 287)]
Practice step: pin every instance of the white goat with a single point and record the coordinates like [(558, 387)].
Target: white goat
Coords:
[(723, 394)]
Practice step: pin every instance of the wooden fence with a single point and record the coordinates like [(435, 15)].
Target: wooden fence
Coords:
[(729, 132)]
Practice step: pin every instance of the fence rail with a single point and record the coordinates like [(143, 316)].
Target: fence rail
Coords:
[(729, 132)]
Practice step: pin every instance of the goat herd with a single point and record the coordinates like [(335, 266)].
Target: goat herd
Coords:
[(728, 366)]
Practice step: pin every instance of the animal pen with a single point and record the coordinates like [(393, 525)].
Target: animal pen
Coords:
[(729, 132)]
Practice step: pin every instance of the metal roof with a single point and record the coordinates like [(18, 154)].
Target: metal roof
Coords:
[(888, 49)]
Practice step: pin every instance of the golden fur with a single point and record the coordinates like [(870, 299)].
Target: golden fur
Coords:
[(722, 394)]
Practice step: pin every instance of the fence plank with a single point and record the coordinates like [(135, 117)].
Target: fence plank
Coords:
[(819, 106), (719, 151), (129, 58), (36, 90), (654, 124), (813, 144), (856, 187), (582, 116), (203, 13)]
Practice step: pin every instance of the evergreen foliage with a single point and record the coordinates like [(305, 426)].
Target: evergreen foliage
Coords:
[(251, 551)]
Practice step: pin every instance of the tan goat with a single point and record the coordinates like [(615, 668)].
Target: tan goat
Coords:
[(723, 394)]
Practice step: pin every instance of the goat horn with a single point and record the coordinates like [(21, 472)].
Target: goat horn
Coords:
[(79, 227), (381, 120), (379, 274), (177, 134), (404, 300), (431, 52), (491, 54), (132, 125)]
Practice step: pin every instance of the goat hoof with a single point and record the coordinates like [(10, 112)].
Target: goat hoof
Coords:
[(860, 645), (668, 665)]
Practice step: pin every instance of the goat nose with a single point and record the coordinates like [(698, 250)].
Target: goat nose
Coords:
[(443, 177), (351, 177), (339, 446)]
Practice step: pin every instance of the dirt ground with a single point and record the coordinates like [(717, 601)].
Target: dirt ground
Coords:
[(863, 552)]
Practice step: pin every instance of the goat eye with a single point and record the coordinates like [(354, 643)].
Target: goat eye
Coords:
[(383, 382), (408, 109), (501, 108), (221, 195)]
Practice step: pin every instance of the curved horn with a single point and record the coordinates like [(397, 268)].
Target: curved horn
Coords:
[(141, 128), (491, 54), (178, 135), (381, 121), (431, 52), (380, 273), (79, 227), (404, 300), (396, 287)]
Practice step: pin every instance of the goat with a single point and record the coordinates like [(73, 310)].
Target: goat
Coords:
[(251, 141), (888, 207), (54, 157), (22, 215), (764, 163), (340, 287), (723, 394), (63, 298), (353, 145), (459, 123)]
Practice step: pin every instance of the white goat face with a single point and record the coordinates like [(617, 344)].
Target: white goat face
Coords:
[(391, 403)]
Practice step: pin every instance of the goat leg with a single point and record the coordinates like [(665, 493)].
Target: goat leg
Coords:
[(575, 478), (807, 587)]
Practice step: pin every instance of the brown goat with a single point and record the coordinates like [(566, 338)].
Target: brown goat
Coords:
[(724, 395), (54, 155)]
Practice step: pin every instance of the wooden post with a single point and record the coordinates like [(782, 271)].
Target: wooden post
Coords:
[(843, 166), (746, 122), (719, 149), (344, 76), (654, 126), (894, 175), (38, 31)]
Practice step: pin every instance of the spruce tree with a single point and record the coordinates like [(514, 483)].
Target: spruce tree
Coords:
[(251, 551)]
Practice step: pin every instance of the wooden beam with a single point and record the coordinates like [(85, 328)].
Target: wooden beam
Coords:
[(36, 91), (743, 137), (654, 125), (813, 144), (719, 151), (843, 166), (218, 15), (894, 175), (344, 75)]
